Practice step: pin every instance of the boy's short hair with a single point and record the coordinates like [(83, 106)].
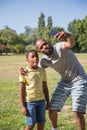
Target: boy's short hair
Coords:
[(29, 51)]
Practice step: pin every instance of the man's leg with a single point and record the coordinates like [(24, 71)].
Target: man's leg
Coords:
[(53, 117), (80, 120), (79, 101), (57, 102)]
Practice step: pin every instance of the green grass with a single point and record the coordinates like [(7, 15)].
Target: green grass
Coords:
[(10, 112)]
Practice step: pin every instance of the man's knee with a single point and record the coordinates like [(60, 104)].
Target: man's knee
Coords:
[(52, 113), (78, 115)]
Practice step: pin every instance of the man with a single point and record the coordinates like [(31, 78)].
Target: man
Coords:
[(73, 77)]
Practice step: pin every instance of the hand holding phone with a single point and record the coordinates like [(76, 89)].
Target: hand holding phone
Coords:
[(53, 32)]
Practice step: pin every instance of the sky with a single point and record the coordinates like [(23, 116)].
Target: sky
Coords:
[(17, 14)]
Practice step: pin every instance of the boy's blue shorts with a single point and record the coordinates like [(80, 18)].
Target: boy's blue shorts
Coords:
[(35, 112)]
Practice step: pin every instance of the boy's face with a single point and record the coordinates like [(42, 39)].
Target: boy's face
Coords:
[(33, 60)]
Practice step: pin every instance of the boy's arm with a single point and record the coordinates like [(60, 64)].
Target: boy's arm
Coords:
[(46, 93), (22, 98)]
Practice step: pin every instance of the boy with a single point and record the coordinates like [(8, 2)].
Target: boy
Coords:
[(33, 92)]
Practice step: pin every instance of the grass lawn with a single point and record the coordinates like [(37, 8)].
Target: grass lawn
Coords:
[(10, 112)]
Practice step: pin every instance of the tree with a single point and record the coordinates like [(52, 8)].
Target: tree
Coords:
[(9, 36), (41, 25), (50, 23), (78, 28), (4, 49), (18, 49), (47, 29), (27, 30)]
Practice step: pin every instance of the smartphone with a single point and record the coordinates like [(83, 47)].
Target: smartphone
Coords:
[(53, 32)]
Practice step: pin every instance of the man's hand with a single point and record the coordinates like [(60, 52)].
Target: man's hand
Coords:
[(22, 71), (62, 36), (67, 37)]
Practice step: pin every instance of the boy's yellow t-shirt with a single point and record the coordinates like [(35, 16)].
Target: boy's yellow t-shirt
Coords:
[(33, 83)]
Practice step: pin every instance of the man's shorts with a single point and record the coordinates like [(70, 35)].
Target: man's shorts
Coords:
[(35, 112), (78, 91)]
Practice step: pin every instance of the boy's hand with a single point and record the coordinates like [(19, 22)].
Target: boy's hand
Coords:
[(24, 110), (47, 106)]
